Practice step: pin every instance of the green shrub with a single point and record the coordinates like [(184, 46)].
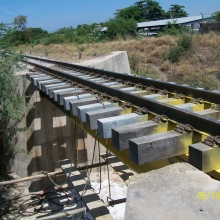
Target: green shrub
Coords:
[(174, 29), (134, 61), (201, 80), (54, 39), (183, 43), (150, 72), (12, 104), (193, 79), (174, 54), (121, 27)]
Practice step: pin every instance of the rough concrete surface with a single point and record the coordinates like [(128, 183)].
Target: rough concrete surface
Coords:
[(178, 191), (117, 61)]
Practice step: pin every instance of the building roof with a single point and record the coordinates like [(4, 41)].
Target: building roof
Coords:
[(104, 29), (185, 20)]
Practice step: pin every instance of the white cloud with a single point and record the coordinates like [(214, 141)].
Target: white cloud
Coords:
[(6, 10)]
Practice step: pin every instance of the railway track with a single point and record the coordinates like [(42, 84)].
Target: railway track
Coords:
[(139, 120)]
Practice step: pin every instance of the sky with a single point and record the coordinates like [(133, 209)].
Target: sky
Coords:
[(51, 15)]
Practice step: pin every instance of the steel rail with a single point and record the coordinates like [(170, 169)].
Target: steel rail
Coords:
[(201, 123), (206, 95)]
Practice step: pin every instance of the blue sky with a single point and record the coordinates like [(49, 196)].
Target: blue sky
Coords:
[(54, 14)]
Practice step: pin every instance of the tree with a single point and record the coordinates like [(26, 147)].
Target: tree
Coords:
[(176, 11), (150, 10), (20, 22), (146, 10), (216, 16), (35, 34), (12, 103), (128, 13), (121, 27)]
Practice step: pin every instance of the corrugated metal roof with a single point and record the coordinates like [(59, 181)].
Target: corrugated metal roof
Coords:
[(164, 22)]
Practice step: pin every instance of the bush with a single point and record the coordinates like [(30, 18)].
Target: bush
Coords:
[(121, 27), (201, 80), (193, 79), (216, 16), (174, 29), (134, 61), (150, 72), (174, 54), (80, 39), (54, 39), (12, 105), (183, 43)]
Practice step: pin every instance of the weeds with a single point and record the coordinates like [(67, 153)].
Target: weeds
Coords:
[(201, 81), (134, 61), (197, 80), (183, 43), (150, 72), (174, 54)]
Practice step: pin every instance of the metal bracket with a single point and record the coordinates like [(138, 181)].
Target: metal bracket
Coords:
[(179, 96), (182, 129), (212, 141), (161, 119), (126, 105), (197, 101), (163, 92), (141, 111)]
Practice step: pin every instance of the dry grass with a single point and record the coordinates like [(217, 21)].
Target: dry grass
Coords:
[(165, 66), (201, 61)]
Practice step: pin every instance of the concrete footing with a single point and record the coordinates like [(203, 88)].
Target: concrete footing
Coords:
[(178, 191), (117, 61)]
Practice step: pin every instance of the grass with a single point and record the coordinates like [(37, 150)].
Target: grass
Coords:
[(199, 65)]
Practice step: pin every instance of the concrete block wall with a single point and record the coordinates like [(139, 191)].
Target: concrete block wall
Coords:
[(50, 136), (117, 61)]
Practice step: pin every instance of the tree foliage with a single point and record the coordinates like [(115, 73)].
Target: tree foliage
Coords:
[(146, 10), (85, 33), (12, 103), (121, 27), (176, 11), (150, 10), (20, 22), (128, 13), (216, 16)]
